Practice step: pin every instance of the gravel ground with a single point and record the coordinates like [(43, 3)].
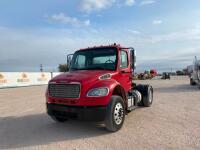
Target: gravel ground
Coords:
[(173, 122)]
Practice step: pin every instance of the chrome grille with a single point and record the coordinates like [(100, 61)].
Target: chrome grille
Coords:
[(64, 90)]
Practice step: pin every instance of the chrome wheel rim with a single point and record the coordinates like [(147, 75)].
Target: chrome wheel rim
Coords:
[(118, 113)]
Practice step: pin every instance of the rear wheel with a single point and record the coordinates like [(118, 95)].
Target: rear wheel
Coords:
[(192, 82), (115, 114), (147, 95)]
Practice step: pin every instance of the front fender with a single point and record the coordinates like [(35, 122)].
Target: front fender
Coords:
[(111, 84)]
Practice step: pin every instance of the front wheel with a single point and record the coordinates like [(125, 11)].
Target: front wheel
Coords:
[(115, 114)]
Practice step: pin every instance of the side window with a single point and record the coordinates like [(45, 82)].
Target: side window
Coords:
[(80, 61), (123, 59)]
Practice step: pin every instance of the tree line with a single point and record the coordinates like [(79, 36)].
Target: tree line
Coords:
[(63, 68)]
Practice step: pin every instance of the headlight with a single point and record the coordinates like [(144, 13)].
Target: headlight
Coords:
[(97, 92)]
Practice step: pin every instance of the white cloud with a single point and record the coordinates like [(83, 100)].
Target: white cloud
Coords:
[(90, 5), (147, 2), (23, 50), (129, 2), (185, 35), (175, 60), (134, 32), (157, 22), (95, 5), (64, 19), (26, 49), (87, 22)]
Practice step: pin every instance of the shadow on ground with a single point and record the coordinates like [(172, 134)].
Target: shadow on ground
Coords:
[(177, 89), (39, 129)]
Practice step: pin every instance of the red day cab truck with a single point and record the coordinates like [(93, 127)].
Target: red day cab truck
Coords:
[(99, 87)]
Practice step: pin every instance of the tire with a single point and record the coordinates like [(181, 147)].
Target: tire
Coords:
[(192, 82), (147, 95), (115, 114), (198, 75), (140, 88), (59, 119)]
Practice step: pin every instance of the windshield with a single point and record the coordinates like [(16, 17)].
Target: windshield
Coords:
[(95, 59)]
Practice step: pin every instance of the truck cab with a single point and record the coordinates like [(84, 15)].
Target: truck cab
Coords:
[(99, 86)]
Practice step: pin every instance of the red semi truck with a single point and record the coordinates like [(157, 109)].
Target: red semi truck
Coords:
[(98, 87)]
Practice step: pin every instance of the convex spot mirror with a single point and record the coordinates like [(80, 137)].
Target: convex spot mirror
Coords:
[(133, 57), (69, 59)]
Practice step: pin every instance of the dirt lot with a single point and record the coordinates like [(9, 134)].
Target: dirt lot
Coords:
[(173, 122)]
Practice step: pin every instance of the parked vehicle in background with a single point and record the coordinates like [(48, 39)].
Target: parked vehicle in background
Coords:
[(195, 73), (147, 75), (153, 73), (99, 86), (165, 76)]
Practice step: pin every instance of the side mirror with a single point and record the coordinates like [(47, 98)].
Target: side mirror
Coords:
[(133, 57), (69, 59)]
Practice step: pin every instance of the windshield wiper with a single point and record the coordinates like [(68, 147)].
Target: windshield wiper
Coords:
[(96, 68), (78, 69), (91, 68)]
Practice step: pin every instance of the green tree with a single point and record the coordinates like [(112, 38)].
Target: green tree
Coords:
[(179, 72), (63, 68)]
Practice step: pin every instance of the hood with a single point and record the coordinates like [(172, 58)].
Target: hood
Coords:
[(80, 76)]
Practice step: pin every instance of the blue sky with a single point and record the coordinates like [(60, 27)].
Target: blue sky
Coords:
[(165, 33)]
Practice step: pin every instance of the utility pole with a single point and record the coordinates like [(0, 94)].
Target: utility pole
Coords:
[(195, 62), (41, 68)]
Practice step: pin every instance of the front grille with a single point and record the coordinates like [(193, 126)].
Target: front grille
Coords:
[(64, 90)]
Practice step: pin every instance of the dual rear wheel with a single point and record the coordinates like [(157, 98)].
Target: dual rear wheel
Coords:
[(192, 82), (147, 95)]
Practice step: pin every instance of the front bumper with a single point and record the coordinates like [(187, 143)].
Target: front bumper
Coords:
[(90, 113)]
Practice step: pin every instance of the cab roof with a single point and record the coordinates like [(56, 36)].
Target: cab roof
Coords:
[(106, 46)]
